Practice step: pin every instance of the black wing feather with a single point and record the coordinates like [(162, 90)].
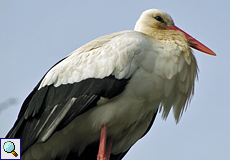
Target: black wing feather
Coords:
[(35, 121)]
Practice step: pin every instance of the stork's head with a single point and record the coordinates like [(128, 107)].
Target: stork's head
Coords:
[(159, 25), (154, 18)]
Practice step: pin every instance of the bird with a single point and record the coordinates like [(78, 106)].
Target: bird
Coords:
[(97, 102)]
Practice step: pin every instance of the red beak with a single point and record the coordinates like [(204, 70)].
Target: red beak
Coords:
[(193, 42)]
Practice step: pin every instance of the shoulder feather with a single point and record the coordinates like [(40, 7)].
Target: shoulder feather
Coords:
[(112, 54)]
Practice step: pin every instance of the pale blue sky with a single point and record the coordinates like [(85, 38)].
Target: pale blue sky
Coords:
[(34, 35)]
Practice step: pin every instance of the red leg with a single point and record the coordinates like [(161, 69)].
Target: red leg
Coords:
[(102, 146), (104, 149), (109, 148)]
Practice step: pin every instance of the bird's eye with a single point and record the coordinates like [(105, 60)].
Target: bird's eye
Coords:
[(159, 19)]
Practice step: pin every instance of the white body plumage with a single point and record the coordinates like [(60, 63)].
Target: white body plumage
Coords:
[(161, 76)]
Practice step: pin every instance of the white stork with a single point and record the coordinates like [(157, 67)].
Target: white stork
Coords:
[(107, 92)]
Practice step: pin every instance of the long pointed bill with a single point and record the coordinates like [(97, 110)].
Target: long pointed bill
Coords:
[(193, 42)]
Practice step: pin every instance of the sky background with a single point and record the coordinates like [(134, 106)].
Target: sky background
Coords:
[(36, 34)]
